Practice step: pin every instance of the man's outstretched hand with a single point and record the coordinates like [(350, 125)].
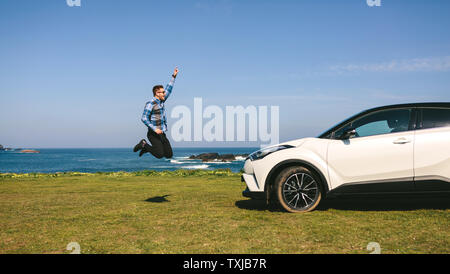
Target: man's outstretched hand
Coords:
[(175, 72)]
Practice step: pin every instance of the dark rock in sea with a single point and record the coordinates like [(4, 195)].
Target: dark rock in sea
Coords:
[(226, 157), (205, 156), (214, 156), (1, 147)]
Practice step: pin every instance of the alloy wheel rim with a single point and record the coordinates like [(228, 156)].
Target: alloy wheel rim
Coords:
[(300, 191)]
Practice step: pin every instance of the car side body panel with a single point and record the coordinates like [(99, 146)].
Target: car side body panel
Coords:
[(432, 158), (373, 159)]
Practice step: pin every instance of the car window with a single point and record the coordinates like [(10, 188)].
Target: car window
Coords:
[(435, 117), (373, 128), (380, 122)]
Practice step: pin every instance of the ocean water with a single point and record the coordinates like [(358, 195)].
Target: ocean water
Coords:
[(112, 159)]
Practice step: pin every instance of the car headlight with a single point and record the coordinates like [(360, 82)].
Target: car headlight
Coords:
[(266, 151)]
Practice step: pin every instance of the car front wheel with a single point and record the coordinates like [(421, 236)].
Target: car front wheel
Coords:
[(298, 189)]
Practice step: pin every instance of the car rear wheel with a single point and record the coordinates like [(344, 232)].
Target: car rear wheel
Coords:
[(298, 189)]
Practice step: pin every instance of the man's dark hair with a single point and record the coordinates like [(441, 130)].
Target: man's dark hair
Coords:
[(156, 88)]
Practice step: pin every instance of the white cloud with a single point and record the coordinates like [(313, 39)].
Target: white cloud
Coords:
[(410, 65), (309, 97)]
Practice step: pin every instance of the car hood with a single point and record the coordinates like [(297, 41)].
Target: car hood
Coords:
[(297, 142)]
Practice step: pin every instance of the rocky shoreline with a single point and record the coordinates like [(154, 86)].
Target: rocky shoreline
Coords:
[(216, 157)]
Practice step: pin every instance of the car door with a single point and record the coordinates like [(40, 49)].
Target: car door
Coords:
[(379, 158), (432, 150)]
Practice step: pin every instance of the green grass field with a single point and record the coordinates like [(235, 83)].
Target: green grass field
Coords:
[(202, 212)]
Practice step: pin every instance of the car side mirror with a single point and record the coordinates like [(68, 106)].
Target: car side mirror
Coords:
[(349, 133)]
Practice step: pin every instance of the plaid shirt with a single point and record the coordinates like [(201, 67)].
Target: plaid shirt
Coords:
[(154, 115)]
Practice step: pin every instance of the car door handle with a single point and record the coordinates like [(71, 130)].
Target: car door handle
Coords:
[(402, 140)]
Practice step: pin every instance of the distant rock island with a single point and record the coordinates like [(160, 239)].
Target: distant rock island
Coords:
[(18, 149), (29, 151), (214, 156), (5, 148)]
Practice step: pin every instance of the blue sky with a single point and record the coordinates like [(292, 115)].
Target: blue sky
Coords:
[(80, 76)]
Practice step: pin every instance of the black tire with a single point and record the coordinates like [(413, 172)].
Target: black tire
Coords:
[(297, 189)]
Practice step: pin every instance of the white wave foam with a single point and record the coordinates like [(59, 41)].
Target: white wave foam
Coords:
[(217, 162), (176, 162), (196, 167), (240, 158), (86, 160)]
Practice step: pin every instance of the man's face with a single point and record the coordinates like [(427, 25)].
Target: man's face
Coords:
[(160, 93)]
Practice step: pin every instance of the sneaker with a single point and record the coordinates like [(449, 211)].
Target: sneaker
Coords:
[(139, 146), (142, 152)]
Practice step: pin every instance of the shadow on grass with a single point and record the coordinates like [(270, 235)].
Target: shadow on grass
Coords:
[(253, 204), (387, 203), (158, 199), (366, 203)]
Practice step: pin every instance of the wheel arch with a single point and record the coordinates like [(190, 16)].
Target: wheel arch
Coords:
[(270, 179)]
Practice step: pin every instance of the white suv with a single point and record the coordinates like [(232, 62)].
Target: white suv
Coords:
[(390, 149)]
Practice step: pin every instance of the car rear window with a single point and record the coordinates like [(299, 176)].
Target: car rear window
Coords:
[(435, 117)]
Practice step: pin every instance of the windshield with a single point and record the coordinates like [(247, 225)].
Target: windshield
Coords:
[(327, 134)]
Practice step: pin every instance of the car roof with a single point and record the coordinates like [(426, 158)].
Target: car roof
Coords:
[(408, 105), (412, 105)]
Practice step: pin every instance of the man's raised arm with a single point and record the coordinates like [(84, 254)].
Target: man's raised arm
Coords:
[(170, 84)]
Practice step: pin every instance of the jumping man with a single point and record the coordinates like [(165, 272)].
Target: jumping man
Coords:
[(154, 117)]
